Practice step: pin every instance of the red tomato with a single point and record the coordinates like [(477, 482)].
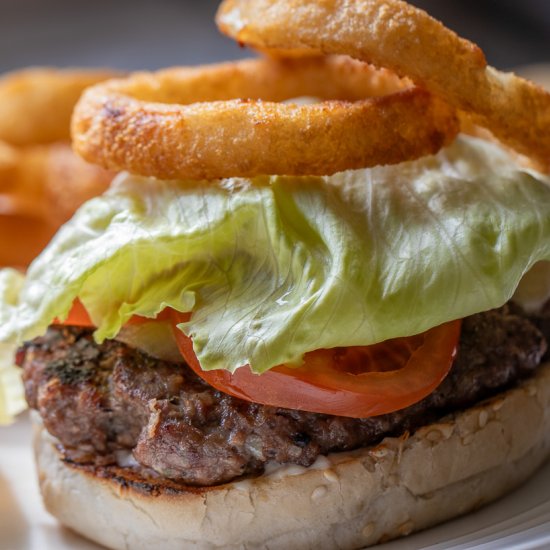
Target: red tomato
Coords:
[(357, 382), (78, 316)]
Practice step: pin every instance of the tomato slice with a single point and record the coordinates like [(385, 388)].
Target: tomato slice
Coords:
[(78, 316), (358, 382)]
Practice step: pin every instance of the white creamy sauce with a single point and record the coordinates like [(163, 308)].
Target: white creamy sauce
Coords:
[(125, 459)]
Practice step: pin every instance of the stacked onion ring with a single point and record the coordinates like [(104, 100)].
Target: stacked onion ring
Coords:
[(406, 40), (42, 181), (229, 120)]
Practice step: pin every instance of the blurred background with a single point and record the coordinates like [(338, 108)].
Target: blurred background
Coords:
[(148, 34)]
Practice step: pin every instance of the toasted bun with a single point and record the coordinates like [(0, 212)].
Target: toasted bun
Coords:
[(348, 500)]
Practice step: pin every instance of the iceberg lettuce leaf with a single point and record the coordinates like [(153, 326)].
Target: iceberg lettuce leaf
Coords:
[(12, 395), (274, 267)]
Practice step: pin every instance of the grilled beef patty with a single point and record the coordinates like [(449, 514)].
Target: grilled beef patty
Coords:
[(102, 400)]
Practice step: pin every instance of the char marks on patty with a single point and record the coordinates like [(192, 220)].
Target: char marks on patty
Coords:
[(102, 401)]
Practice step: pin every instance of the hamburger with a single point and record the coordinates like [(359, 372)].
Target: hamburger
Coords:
[(414, 387)]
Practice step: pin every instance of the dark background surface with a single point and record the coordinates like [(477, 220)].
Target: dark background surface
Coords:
[(155, 33)]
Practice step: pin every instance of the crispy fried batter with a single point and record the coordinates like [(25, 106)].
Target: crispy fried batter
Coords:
[(40, 188), (42, 181), (225, 120), (405, 39), (36, 104), (67, 181)]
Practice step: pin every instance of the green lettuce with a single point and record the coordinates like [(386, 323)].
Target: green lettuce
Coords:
[(12, 395), (273, 267)]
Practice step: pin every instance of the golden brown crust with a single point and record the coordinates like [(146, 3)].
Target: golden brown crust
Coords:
[(349, 500), (48, 181), (40, 188), (42, 181), (405, 39), (36, 104), (69, 181), (194, 123)]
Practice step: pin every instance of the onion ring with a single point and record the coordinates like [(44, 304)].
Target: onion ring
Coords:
[(42, 181), (40, 188), (405, 39), (36, 104), (47, 181), (190, 123)]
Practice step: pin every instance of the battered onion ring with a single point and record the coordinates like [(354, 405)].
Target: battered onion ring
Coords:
[(42, 181), (40, 188), (47, 181), (135, 123), (405, 39), (36, 104)]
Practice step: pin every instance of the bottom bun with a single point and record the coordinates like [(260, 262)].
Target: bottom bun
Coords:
[(346, 500)]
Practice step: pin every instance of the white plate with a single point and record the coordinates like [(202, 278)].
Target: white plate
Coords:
[(520, 521)]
